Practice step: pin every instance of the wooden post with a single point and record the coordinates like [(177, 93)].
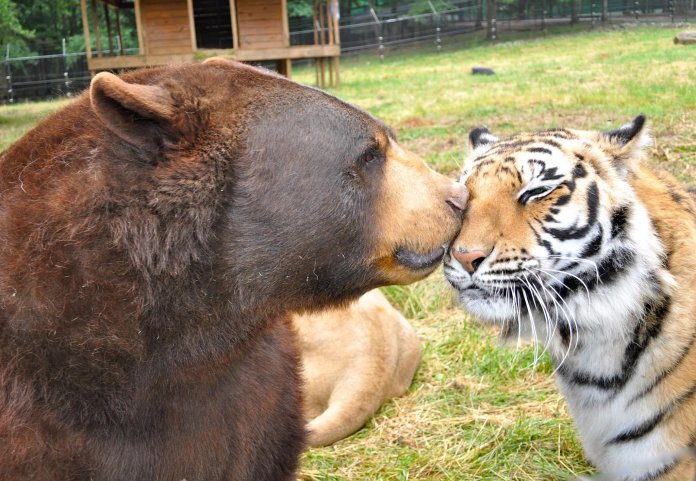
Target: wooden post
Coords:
[(119, 32), (235, 29), (286, 23), (322, 35), (142, 44), (337, 69), (97, 34), (331, 73), (192, 25), (108, 28), (337, 41), (285, 67), (330, 22), (287, 63), (330, 27), (337, 28), (316, 39), (322, 21), (85, 28)]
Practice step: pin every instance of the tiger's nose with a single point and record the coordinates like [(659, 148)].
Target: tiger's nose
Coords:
[(470, 260)]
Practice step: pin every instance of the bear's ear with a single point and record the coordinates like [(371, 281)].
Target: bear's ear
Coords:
[(136, 113), (480, 137), (629, 139)]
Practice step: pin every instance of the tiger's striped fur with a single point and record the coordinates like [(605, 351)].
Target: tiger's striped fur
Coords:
[(593, 256)]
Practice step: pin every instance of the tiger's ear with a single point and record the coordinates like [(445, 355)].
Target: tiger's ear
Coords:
[(480, 137), (629, 140), (139, 114)]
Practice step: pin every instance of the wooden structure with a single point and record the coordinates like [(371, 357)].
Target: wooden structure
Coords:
[(172, 31)]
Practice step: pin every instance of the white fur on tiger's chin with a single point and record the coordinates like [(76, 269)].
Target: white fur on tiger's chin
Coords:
[(476, 301)]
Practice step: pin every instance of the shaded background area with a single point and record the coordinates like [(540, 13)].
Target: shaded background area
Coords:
[(43, 45)]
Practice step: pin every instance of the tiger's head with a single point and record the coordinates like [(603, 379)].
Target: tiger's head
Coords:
[(551, 216)]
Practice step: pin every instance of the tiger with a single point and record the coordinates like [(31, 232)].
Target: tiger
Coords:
[(571, 241)]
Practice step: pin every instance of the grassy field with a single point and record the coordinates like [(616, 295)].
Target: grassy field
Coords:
[(478, 411)]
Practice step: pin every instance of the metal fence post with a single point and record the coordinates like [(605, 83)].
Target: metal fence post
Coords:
[(637, 8), (592, 14), (66, 75), (380, 34), (543, 16), (8, 75), (670, 5), (438, 23)]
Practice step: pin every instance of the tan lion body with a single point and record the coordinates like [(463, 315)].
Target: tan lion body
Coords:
[(354, 359)]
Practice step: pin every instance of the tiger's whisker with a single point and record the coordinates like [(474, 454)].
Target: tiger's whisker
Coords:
[(571, 319), (587, 290), (573, 259), (532, 324)]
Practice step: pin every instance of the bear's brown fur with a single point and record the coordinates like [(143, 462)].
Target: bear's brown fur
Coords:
[(154, 236)]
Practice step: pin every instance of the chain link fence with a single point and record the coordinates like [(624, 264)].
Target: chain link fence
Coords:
[(65, 73)]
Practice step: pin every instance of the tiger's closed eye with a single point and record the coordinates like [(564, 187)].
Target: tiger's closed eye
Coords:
[(536, 192)]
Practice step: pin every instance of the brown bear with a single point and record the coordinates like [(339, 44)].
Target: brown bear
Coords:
[(156, 234)]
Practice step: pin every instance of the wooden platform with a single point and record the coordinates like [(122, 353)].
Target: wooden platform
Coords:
[(242, 55), (166, 32)]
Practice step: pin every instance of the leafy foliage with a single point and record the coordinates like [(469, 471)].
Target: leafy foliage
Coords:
[(11, 29)]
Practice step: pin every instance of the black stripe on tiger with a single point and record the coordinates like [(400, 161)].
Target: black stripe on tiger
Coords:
[(639, 431), (666, 372), (540, 150), (616, 262), (593, 247), (648, 426), (648, 327), (659, 472), (575, 232), (543, 242), (619, 221), (578, 172)]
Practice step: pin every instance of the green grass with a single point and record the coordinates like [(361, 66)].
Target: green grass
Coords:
[(592, 80), (476, 410), (16, 119)]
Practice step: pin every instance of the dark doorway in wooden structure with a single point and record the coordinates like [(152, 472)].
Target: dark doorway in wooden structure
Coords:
[(213, 23), (172, 31)]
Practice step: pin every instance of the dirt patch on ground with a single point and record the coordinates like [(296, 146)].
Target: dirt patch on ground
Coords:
[(414, 123)]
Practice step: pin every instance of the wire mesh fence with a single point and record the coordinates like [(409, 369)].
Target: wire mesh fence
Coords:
[(66, 73)]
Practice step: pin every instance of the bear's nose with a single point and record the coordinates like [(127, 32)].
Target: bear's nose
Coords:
[(458, 198), (470, 260)]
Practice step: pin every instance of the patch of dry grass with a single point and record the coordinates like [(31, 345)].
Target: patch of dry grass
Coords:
[(475, 411)]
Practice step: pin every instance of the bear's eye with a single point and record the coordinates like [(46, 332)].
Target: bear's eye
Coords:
[(370, 156)]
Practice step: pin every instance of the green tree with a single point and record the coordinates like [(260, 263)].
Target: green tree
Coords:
[(51, 20), (300, 8), (11, 29)]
